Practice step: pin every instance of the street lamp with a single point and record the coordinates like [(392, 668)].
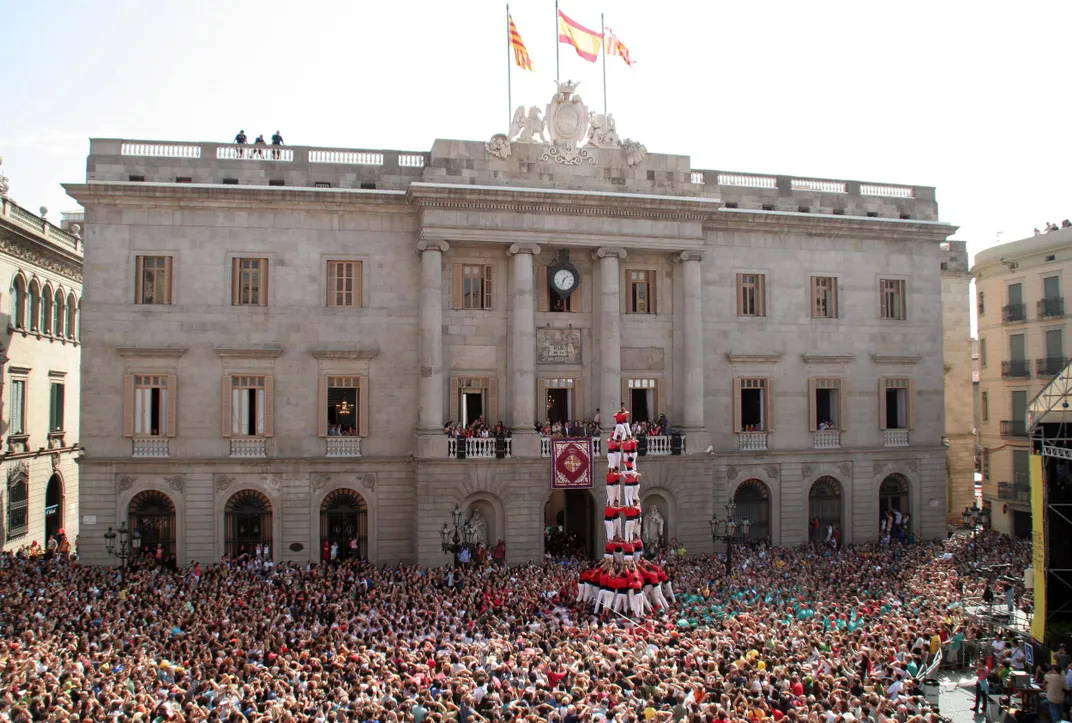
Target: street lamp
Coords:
[(460, 537), (730, 530), (128, 547)]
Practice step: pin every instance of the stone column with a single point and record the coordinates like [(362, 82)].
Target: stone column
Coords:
[(523, 352), (430, 386), (610, 332), (692, 417)]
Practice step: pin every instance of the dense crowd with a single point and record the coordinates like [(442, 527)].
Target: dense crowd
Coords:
[(812, 634), (477, 428)]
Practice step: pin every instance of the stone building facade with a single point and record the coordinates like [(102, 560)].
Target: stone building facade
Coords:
[(41, 267), (1023, 332), (959, 386), (786, 326)]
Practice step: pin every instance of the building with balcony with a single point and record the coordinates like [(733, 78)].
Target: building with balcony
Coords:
[(248, 304), (40, 313), (1022, 345)]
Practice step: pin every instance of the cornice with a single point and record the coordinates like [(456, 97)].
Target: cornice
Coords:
[(38, 253), (827, 358), (734, 219), (369, 352), (257, 352), (896, 358), (160, 352), (753, 358)]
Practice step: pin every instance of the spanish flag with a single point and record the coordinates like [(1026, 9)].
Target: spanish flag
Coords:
[(586, 42), (521, 54)]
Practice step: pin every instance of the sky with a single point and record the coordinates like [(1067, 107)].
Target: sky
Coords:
[(965, 96)]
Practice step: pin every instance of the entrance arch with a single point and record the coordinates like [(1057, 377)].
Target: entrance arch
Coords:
[(753, 501), (824, 503), (569, 523), (894, 495), (247, 522), (344, 517), (53, 506), (152, 513)]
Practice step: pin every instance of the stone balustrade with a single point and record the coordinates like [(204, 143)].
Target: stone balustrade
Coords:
[(151, 447), (895, 438), (343, 447), (40, 226), (752, 441), (249, 447), (826, 439), (475, 447), (545, 446), (278, 154)]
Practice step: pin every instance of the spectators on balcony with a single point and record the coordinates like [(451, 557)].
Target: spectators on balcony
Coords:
[(569, 428), (338, 430), (478, 428)]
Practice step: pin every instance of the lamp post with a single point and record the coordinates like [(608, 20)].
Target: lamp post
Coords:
[(128, 547), (461, 537), (730, 530)]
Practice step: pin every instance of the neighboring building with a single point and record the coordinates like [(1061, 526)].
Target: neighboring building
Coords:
[(957, 351), (41, 267), (1022, 337), (243, 302)]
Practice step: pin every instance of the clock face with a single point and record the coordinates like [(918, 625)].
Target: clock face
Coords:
[(564, 280)]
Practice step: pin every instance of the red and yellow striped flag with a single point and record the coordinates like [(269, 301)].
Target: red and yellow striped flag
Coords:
[(616, 47), (521, 54), (586, 42)]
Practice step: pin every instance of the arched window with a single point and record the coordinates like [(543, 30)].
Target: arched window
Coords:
[(893, 503), (153, 514), (18, 302), (35, 306), (753, 504), (59, 315), (46, 309), (70, 315), (18, 499), (247, 523), (824, 504), (78, 321)]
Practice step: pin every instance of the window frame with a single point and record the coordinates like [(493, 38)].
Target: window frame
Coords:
[(265, 414), (23, 381), (815, 384), (263, 269), (168, 273), (357, 289), (57, 404), (360, 382), (980, 302), (766, 384), (898, 287), (19, 293), (982, 353), (832, 300), (650, 284), (47, 294), (756, 289), (17, 476), (487, 280), (34, 291), (984, 406), (137, 381), (907, 383)]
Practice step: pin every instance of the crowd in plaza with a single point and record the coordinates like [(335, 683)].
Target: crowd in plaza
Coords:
[(809, 634)]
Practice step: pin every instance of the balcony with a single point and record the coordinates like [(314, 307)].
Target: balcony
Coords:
[(150, 447), (826, 439), (1051, 308), (249, 447), (545, 446), (343, 447), (1015, 491), (1050, 366), (894, 437), (55, 440), (1016, 369), (752, 441), (1014, 428), (18, 444), (477, 447), (1014, 313)]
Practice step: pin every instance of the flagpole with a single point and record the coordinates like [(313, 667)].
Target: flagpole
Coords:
[(603, 33), (558, 76), (509, 73)]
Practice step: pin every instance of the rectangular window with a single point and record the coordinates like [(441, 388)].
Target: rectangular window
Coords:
[(981, 304), (153, 284), (344, 283), (824, 301), (55, 416), (151, 405), (1017, 347), (753, 405), (248, 403), (986, 464), (892, 297), (1051, 288), (476, 286), (641, 292), (984, 406), (642, 399), (751, 291), (249, 283), (825, 404), (17, 410), (982, 353), (896, 403), (343, 406)]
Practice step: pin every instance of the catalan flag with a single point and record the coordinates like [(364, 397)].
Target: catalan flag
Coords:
[(521, 54), (586, 42), (616, 47)]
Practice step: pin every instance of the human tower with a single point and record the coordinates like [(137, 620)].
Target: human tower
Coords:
[(624, 582)]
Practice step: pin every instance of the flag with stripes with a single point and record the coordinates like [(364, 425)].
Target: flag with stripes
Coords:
[(616, 47), (521, 54), (586, 42)]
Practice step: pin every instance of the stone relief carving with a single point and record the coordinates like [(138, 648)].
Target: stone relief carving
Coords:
[(731, 473), (913, 465), (772, 471), (36, 257), (124, 483), (177, 483), (17, 470), (558, 346), (54, 461), (498, 146), (806, 469), (368, 481), (222, 482), (635, 152), (524, 127), (845, 468), (319, 481), (567, 115), (272, 481), (877, 468), (602, 132), (567, 154)]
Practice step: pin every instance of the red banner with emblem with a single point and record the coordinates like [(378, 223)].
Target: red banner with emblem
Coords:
[(571, 463)]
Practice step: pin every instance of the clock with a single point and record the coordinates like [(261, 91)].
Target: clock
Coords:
[(562, 276)]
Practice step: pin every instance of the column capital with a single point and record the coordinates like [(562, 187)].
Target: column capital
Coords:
[(524, 249), (433, 245), (608, 251), (679, 257)]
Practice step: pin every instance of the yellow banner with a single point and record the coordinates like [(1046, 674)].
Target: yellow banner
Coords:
[(1038, 557)]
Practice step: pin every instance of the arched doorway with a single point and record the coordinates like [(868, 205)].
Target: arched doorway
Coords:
[(247, 522), (344, 517), (569, 523), (752, 498), (893, 496), (53, 506), (152, 513), (824, 504)]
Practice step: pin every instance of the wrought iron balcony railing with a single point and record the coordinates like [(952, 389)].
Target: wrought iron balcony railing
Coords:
[(1051, 307), (1016, 369)]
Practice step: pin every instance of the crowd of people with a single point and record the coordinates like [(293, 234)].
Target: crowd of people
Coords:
[(1050, 227), (809, 634), (257, 151), (477, 428)]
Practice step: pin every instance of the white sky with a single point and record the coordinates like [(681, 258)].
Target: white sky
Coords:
[(971, 97)]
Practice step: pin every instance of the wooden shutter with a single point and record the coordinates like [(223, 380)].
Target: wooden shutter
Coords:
[(225, 406), (833, 303), (660, 399), (459, 298), (768, 399), (737, 395), (911, 403), (269, 406), (322, 407), (578, 399), (653, 293), (454, 391), (761, 295), (843, 408), (882, 403), (168, 274), (492, 414), (362, 406), (139, 267), (814, 297), (262, 299), (330, 300), (235, 264), (172, 404), (883, 311), (740, 294), (543, 286), (128, 406), (813, 388), (489, 292)]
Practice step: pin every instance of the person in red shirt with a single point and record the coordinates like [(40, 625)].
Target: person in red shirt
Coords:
[(606, 591), (614, 487), (638, 549), (620, 583), (632, 522), (621, 424), (631, 487), (611, 518), (636, 593), (614, 454)]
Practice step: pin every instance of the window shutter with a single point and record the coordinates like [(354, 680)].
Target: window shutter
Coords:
[(911, 403), (322, 407), (883, 312), (543, 284), (814, 297), (761, 292), (740, 299), (653, 293), (234, 280), (128, 405), (263, 297), (225, 406), (172, 398), (835, 308), (362, 406), (170, 279), (454, 389), (843, 418), (139, 266), (768, 399), (882, 403), (812, 392), (660, 398), (459, 298), (493, 401), (269, 406), (330, 286), (578, 399), (737, 388)]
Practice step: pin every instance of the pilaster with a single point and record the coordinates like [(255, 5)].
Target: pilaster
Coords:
[(523, 352), (610, 326)]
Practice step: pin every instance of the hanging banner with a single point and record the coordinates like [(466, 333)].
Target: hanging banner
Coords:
[(1038, 557), (571, 463)]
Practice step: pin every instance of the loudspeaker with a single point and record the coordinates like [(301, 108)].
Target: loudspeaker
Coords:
[(642, 445), (460, 446), (675, 444), (500, 448)]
